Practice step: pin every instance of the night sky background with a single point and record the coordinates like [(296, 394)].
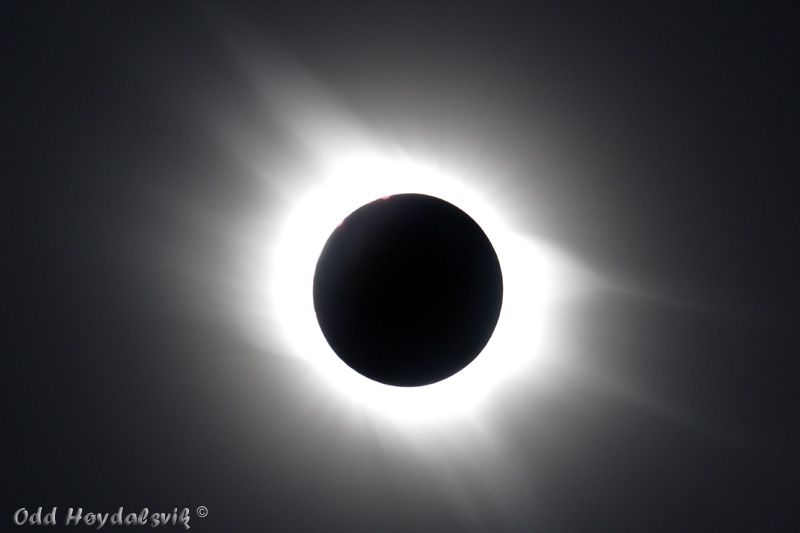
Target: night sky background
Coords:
[(657, 144)]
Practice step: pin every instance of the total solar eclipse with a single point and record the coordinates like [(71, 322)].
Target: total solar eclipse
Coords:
[(408, 290)]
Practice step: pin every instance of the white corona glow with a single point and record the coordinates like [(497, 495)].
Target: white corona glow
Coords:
[(348, 185), (335, 166)]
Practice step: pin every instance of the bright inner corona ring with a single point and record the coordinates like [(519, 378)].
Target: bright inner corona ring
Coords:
[(349, 185)]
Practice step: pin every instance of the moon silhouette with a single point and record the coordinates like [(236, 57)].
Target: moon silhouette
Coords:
[(408, 290)]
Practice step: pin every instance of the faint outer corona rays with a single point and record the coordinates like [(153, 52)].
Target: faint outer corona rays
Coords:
[(335, 168)]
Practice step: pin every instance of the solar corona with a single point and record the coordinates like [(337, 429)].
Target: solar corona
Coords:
[(404, 290)]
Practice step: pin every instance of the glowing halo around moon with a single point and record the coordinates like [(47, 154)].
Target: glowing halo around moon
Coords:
[(351, 183), (334, 166)]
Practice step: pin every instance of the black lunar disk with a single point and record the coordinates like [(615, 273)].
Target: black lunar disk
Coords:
[(408, 290)]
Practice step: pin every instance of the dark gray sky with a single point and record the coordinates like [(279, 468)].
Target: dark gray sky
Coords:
[(654, 146)]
